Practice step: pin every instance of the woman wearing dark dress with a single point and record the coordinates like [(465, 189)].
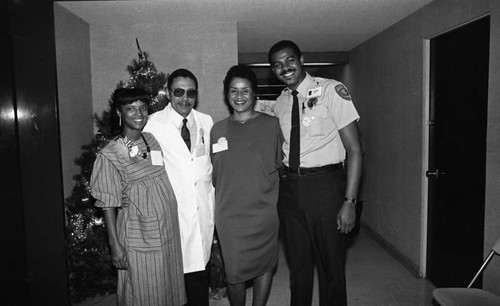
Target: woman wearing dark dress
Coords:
[(246, 156)]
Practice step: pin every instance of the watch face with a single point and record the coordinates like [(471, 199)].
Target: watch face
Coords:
[(350, 200)]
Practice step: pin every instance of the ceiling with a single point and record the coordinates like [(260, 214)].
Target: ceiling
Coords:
[(315, 25)]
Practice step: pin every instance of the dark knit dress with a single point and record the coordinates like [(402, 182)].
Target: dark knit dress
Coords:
[(246, 181)]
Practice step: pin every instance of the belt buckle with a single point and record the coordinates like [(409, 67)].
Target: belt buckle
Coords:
[(306, 171)]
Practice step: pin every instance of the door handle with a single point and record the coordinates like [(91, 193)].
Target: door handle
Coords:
[(434, 173)]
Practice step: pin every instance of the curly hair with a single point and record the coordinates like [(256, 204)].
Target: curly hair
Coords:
[(240, 71)]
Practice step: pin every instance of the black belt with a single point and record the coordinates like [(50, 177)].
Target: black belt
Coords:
[(316, 170)]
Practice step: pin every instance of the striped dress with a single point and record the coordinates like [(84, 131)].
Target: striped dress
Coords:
[(147, 224)]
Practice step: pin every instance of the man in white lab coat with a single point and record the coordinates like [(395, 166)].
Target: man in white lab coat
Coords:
[(184, 136)]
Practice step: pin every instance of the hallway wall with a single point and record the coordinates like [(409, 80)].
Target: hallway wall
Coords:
[(74, 90), (386, 79), (207, 49)]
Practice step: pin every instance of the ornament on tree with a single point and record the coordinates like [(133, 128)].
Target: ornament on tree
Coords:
[(144, 74)]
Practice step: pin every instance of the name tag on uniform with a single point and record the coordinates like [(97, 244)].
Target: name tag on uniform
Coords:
[(156, 158), (221, 145), (314, 92)]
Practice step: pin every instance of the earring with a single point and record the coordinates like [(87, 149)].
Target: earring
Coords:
[(119, 121)]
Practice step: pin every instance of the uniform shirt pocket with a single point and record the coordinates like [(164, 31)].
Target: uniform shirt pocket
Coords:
[(318, 121)]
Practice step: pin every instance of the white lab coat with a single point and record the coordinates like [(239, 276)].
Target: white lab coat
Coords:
[(191, 179)]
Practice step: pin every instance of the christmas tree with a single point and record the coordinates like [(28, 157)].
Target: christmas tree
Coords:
[(89, 259), (90, 267)]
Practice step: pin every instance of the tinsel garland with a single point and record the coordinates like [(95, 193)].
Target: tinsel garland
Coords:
[(91, 271)]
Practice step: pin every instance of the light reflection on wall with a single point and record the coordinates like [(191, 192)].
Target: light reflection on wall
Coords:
[(7, 114)]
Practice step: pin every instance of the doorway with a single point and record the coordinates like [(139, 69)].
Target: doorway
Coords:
[(459, 62)]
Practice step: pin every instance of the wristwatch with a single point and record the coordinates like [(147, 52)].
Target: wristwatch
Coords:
[(350, 200)]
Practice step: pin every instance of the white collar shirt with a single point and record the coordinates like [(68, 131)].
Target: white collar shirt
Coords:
[(321, 118)]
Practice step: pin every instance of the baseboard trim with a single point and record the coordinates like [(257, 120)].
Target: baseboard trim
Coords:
[(393, 251)]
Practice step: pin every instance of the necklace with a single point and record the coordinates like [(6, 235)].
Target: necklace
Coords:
[(148, 149), (243, 121), (129, 143)]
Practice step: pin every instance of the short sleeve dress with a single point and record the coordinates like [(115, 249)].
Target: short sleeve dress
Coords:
[(147, 223), (246, 181)]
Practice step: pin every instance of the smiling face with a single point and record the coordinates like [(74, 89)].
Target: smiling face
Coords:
[(134, 116), (288, 68), (183, 104), (240, 95)]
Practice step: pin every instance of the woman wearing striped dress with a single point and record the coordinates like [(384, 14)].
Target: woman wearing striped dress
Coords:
[(130, 183)]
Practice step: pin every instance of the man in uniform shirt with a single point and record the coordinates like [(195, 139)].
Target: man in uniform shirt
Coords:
[(183, 134), (318, 189)]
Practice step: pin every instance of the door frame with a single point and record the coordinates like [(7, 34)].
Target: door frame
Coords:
[(425, 156), (425, 141)]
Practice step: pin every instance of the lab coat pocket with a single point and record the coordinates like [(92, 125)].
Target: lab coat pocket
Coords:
[(143, 233)]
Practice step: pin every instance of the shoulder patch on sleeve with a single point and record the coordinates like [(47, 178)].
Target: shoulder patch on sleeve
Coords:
[(342, 91)]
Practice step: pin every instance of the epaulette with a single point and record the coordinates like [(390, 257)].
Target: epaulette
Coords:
[(320, 81)]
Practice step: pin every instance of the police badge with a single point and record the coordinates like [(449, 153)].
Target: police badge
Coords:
[(312, 102), (342, 91)]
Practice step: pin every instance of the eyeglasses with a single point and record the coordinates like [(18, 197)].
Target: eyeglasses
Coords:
[(179, 92)]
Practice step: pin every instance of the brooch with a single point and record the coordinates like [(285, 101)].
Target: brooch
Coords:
[(133, 150), (311, 102)]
